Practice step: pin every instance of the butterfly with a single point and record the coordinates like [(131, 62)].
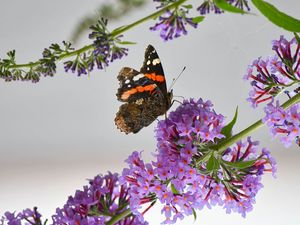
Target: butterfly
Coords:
[(144, 94)]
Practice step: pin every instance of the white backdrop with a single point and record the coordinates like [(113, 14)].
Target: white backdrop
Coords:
[(57, 133)]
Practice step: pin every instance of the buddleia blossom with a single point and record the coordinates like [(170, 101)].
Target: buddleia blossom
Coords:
[(46, 66), (27, 216), (209, 6), (269, 77), (106, 49), (97, 203), (188, 174), (283, 122), (172, 24)]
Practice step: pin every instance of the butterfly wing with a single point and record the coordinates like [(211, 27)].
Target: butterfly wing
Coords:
[(134, 86), (153, 70), (133, 116)]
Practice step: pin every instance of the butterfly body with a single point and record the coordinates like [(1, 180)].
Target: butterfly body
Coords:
[(144, 93)]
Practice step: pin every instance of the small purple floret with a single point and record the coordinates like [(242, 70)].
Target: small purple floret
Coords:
[(270, 76), (283, 122), (172, 25)]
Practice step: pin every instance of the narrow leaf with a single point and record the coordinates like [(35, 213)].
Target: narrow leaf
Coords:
[(188, 6), (212, 163), (227, 130), (126, 43), (240, 165), (174, 190), (198, 19), (194, 214), (277, 17), (222, 4), (297, 37)]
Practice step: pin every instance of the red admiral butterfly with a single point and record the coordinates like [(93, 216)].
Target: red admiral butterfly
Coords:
[(144, 92)]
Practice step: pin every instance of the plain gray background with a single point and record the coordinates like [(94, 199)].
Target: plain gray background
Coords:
[(57, 133)]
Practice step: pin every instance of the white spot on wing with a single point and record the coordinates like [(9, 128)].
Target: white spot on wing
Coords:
[(156, 61), (137, 77), (127, 81), (148, 62), (139, 101), (129, 85)]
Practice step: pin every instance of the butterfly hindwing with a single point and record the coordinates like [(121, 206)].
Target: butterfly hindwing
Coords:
[(132, 117)]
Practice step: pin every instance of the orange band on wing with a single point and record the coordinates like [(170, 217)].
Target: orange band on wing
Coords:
[(132, 91), (154, 77)]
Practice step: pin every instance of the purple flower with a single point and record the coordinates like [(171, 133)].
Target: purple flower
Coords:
[(181, 177), (106, 49), (283, 122), (173, 24), (97, 203), (240, 4), (25, 217), (271, 76), (208, 5)]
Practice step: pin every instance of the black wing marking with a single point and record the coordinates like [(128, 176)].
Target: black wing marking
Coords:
[(152, 65), (135, 85)]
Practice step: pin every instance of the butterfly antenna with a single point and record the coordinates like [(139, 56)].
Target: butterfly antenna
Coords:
[(175, 79)]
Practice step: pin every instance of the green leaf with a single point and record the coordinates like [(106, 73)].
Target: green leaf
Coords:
[(277, 17), (174, 190), (198, 19), (240, 165), (222, 4), (126, 43), (212, 163), (188, 6), (11, 55), (297, 37), (227, 130), (194, 214)]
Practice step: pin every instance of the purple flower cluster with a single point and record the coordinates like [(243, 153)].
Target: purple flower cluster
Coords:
[(183, 179), (106, 49), (271, 76), (173, 24), (25, 217), (97, 203), (284, 122), (208, 5)]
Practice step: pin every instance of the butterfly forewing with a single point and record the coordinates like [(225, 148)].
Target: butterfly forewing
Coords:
[(152, 69), (134, 85)]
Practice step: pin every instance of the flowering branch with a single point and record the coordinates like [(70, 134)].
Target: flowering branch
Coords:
[(106, 47), (223, 145), (103, 50)]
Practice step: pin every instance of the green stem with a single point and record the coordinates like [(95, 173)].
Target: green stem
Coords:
[(113, 33), (151, 16), (118, 217), (223, 145)]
